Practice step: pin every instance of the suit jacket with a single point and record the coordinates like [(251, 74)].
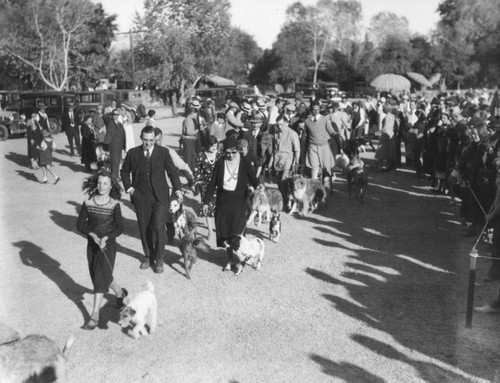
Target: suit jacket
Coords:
[(115, 133), (160, 162), (66, 122)]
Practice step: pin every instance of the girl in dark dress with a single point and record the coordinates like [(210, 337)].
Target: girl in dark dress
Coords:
[(231, 176), (100, 219), (203, 171)]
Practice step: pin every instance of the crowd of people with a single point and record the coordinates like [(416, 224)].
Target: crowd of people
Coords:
[(452, 141)]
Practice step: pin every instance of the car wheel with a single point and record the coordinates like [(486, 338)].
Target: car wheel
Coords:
[(4, 133), (54, 125)]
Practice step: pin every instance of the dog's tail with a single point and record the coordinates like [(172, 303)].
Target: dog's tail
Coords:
[(150, 287), (68, 345)]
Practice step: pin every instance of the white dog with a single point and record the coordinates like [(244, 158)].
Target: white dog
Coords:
[(246, 250), (136, 310)]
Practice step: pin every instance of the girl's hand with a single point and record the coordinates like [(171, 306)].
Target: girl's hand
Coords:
[(104, 242), (95, 238)]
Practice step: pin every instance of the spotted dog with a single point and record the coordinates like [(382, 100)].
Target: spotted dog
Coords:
[(246, 251)]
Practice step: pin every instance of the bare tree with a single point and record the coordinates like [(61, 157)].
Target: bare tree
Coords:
[(40, 36)]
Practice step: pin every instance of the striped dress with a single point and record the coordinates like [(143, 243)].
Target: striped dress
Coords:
[(102, 220)]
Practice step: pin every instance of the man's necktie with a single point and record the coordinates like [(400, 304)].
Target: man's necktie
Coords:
[(148, 165)]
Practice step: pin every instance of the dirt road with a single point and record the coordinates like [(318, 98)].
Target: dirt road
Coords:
[(372, 293)]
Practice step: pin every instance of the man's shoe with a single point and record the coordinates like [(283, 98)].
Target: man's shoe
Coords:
[(159, 269), (488, 309), (119, 300), (145, 264)]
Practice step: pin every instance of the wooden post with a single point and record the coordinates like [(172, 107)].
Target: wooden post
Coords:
[(472, 284)]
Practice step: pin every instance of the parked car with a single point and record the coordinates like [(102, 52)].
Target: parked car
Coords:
[(218, 95), (306, 88), (56, 103), (133, 101), (326, 89), (11, 124)]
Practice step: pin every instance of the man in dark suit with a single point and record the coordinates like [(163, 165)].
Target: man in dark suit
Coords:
[(115, 138), (70, 126), (149, 192)]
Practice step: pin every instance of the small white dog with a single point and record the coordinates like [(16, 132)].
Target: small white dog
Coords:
[(248, 251), (136, 310)]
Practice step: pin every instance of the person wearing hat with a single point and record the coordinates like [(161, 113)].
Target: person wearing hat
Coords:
[(115, 138), (209, 113), (232, 117), (319, 157), (275, 111), (230, 179), (287, 153), (43, 117), (70, 126), (190, 136), (253, 135)]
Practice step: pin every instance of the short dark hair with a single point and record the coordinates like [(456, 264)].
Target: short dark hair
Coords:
[(151, 112), (211, 140), (221, 115), (147, 130), (157, 131)]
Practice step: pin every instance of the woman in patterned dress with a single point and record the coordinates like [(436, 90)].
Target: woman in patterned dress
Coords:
[(100, 219), (203, 170)]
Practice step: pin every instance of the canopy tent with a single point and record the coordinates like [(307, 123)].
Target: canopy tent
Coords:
[(420, 78), (214, 81), (391, 83)]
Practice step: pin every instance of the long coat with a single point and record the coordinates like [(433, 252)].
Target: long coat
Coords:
[(230, 206)]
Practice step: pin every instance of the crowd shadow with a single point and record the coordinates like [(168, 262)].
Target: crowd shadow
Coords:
[(28, 176), (76, 167), (345, 370), (33, 256), (18, 159), (403, 272)]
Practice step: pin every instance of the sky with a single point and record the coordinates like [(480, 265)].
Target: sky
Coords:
[(263, 18)]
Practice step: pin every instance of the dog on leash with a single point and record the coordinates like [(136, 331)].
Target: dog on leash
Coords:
[(34, 358), (307, 194), (133, 317), (356, 178), (247, 251), (184, 218), (262, 202), (275, 228), (188, 246)]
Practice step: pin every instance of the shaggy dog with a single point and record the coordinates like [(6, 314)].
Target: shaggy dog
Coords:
[(34, 358), (188, 246), (246, 250), (133, 315), (357, 178), (307, 194), (264, 201), (184, 218), (275, 228)]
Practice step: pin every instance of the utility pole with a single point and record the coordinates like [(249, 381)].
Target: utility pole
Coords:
[(132, 56)]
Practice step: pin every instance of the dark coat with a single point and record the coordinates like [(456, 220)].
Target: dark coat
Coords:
[(231, 206), (68, 125), (160, 162)]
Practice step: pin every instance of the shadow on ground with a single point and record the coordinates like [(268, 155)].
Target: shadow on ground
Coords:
[(404, 272)]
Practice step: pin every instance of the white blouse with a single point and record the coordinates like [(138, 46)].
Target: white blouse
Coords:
[(231, 178)]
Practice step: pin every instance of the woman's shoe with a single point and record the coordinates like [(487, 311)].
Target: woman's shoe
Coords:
[(90, 325)]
